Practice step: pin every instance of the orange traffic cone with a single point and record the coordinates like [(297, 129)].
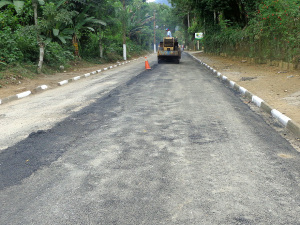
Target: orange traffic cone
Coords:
[(147, 66)]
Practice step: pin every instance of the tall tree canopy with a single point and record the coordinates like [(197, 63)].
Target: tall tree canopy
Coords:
[(265, 29)]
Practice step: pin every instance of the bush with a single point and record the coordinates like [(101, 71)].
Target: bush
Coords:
[(91, 49), (56, 56), (10, 53), (27, 43)]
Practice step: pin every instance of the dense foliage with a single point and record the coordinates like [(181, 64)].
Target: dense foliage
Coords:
[(263, 29), (90, 29), (57, 31)]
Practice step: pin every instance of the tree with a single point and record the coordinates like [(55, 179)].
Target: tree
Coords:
[(83, 22), (41, 44)]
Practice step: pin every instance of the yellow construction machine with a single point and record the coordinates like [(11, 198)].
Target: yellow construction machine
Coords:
[(169, 50)]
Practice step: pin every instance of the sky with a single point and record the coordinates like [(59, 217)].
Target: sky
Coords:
[(160, 1)]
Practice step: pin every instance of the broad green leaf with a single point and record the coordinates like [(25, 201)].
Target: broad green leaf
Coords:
[(55, 32), (100, 22), (3, 3), (19, 6), (90, 28), (62, 39)]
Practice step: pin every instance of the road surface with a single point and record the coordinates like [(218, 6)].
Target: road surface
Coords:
[(168, 146)]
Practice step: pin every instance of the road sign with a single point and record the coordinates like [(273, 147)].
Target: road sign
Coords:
[(198, 36)]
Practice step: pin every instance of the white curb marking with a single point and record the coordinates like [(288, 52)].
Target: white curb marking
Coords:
[(278, 115), (243, 90), (76, 78), (224, 78), (232, 83), (43, 87), (23, 94), (256, 100), (63, 82)]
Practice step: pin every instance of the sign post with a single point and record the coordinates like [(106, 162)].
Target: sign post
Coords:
[(198, 36)]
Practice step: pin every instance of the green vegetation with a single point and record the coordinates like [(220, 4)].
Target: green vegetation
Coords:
[(43, 34), (52, 33), (262, 29)]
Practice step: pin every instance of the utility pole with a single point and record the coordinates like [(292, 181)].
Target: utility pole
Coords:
[(154, 34), (124, 31)]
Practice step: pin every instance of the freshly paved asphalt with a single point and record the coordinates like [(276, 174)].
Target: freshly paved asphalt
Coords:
[(171, 146)]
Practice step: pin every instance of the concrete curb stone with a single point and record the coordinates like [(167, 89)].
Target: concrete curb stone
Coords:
[(284, 120)]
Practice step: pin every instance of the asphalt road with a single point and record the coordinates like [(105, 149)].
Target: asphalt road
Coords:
[(168, 146)]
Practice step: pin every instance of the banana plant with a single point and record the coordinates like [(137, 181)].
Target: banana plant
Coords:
[(18, 5), (55, 23), (81, 23)]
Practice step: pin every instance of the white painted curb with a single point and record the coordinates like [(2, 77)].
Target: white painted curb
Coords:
[(62, 82), (256, 100), (224, 78), (76, 78), (232, 83), (278, 115), (43, 87), (23, 94), (243, 90)]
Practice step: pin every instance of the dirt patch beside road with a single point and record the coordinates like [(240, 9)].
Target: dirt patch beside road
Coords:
[(279, 88)]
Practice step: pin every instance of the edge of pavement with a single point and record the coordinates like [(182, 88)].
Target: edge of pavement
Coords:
[(284, 120), (61, 83)]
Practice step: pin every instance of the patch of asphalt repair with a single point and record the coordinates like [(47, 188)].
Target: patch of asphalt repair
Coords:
[(43, 147)]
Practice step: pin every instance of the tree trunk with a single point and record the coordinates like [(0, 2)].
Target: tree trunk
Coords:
[(124, 32), (34, 5), (75, 44), (100, 43), (42, 52), (40, 42)]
